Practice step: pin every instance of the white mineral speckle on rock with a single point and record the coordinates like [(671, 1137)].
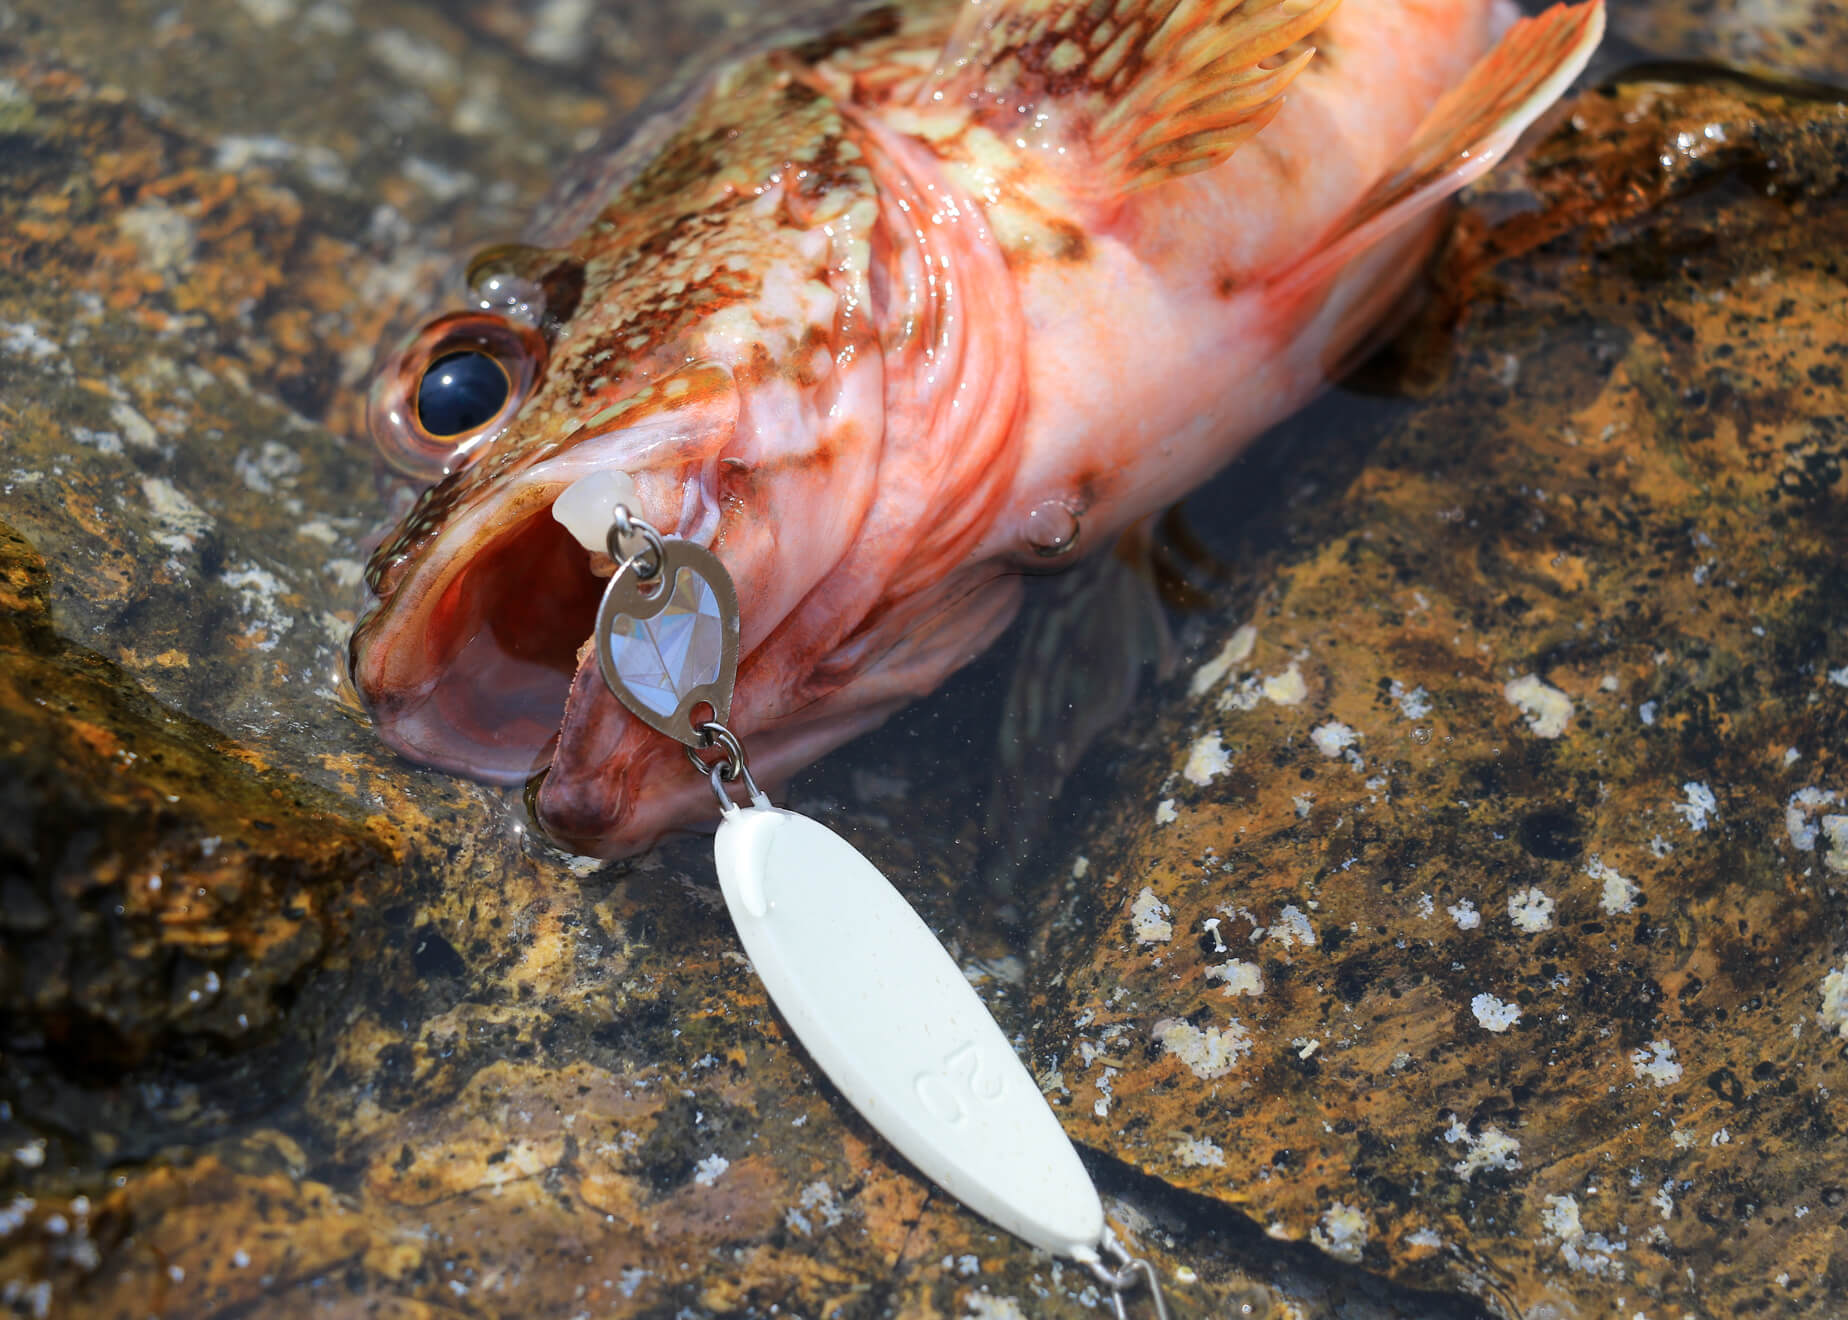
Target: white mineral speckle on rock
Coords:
[(1287, 688), (1424, 1237), (1835, 1001), (443, 184), (1664, 1200), (1799, 812), (1241, 978), (1208, 1052), (1149, 918), (1494, 1014), (1531, 911), (135, 428), (259, 591), (1234, 653), (1491, 1149), (1207, 759), (1656, 1063), (1333, 738), (345, 572), (1342, 1232), (1835, 856), (819, 1200), (707, 1171), (1699, 807), (1081, 867), (1647, 712), (1291, 928), (1839, 677), (1590, 1253), (559, 32), (179, 521), (271, 465), (1620, 892), (165, 238), (1165, 813), (1199, 1153), (1464, 913), (984, 1305), (1415, 704), (1548, 710), (414, 59), (22, 339)]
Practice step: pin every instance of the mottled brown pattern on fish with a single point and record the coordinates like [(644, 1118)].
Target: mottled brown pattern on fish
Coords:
[(874, 25), (678, 245)]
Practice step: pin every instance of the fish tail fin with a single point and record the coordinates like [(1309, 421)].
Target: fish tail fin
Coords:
[(1156, 88), (1464, 135)]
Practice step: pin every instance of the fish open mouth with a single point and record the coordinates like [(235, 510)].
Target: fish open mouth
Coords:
[(477, 673), (470, 660)]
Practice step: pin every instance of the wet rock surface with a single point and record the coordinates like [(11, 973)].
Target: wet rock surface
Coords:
[(1476, 916), (1805, 39), (365, 1048)]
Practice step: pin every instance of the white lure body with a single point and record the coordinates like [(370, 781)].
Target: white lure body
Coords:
[(887, 1014)]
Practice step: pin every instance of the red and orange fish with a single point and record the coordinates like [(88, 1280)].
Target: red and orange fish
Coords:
[(889, 314)]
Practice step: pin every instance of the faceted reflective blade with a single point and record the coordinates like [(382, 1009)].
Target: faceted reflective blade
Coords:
[(668, 646), (661, 660)]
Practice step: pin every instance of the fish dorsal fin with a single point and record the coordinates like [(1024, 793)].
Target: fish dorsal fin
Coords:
[(1155, 88), (1465, 134)]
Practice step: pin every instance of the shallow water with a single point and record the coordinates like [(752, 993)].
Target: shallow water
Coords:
[(308, 1029)]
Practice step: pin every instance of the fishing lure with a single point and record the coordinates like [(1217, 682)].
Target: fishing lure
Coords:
[(888, 1016)]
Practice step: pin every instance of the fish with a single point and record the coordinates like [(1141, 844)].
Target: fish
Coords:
[(889, 319)]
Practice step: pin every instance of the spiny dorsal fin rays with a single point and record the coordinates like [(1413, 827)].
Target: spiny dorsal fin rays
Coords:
[(1464, 134), (1155, 88), (1198, 136)]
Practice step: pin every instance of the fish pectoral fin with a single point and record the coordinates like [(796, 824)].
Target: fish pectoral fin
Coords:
[(1092, 639), (1154, 88), (1464, 135)]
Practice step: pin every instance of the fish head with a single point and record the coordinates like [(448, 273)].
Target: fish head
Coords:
[(747, 342)]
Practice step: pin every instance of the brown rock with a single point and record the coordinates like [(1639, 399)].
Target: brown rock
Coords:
[(1796, 38), (157, 885), (1467, 917)]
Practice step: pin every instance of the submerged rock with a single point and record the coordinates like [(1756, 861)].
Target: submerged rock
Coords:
[(159, 885), (1793, 38), (1499, 949)]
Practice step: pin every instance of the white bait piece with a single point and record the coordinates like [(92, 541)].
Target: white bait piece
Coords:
[(587, 507)]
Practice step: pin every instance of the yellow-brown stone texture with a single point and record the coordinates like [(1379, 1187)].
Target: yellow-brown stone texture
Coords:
[(1500, 915), (1458, 932)]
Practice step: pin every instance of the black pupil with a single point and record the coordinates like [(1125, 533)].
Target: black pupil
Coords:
[(460, 392)]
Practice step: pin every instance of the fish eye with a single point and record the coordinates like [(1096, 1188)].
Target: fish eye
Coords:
[(461, 392), (451, 388)]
